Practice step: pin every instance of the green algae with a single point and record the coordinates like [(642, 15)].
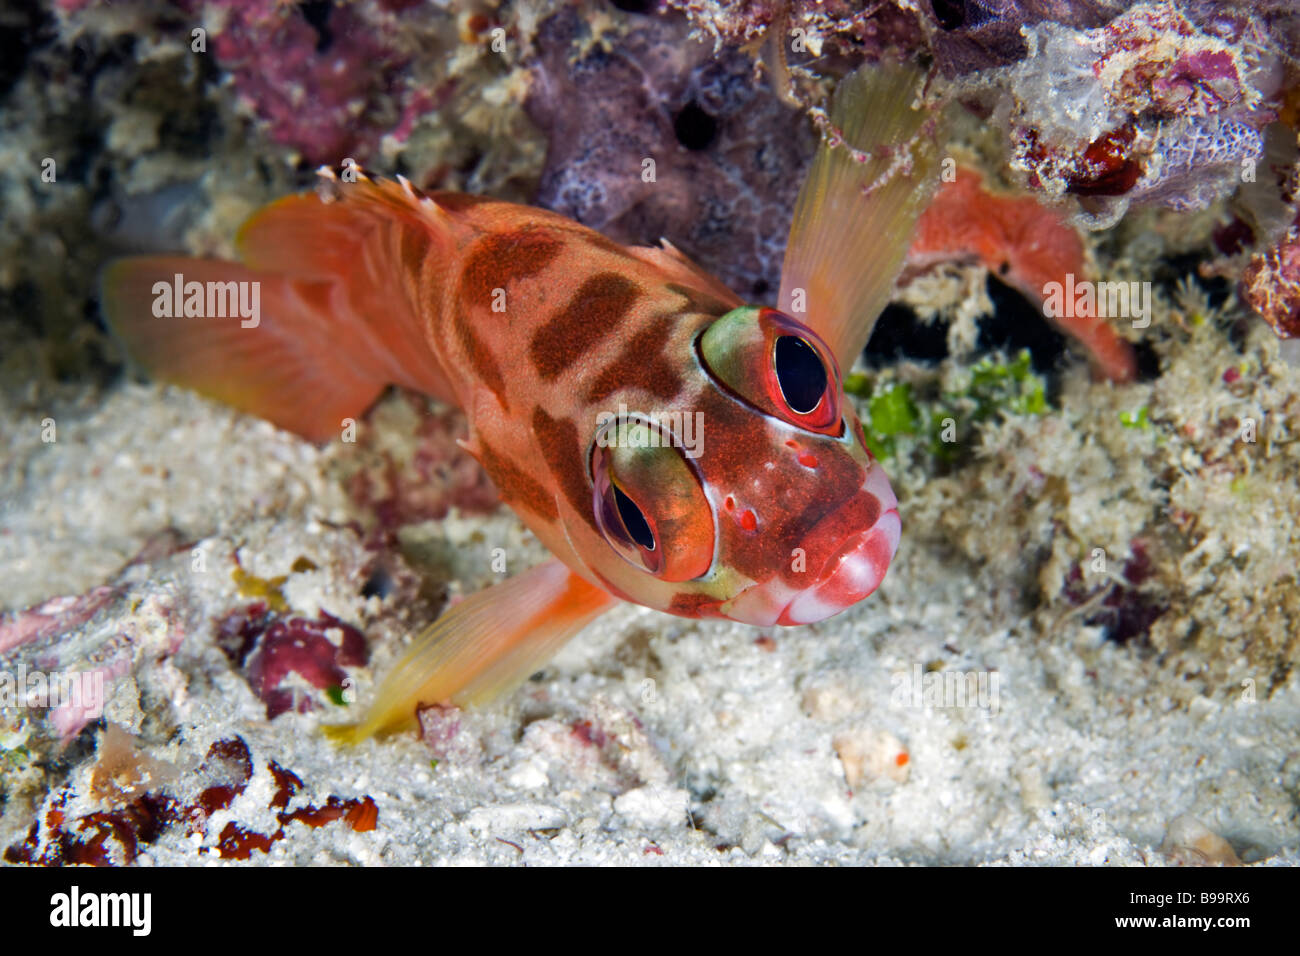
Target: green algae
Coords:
[(945, 423)]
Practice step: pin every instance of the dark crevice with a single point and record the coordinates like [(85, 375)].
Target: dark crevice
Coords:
[(900, 334), (317, 15), (24, 28), (695, 129), (635, 6), (1017, 324)]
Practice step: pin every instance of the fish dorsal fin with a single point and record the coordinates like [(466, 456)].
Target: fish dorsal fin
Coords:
[(872, 177), (676, 268), (344, 285)]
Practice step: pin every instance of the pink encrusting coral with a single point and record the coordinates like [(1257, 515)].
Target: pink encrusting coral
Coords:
[(1027, 245), (324, 90), (50, 618)]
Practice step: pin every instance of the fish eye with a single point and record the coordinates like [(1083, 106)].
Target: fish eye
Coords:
[(633, 519), (799, 373), (775, 364), (648, 501)]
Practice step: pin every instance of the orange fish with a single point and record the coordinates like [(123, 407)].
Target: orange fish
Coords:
[(671, 445)]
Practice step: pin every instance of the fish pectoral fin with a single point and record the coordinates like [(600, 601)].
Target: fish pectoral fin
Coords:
[(483, 647), (854, 218)]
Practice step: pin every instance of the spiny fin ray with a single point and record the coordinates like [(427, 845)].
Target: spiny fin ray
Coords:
[(857, 209)]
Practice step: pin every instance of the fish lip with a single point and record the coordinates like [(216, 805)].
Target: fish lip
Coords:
[(875, 483), (850, 545), (853, 573)]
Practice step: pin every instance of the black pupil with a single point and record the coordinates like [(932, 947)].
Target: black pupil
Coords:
[(633, 520), (800, 373)]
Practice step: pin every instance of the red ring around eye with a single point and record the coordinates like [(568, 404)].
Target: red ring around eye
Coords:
[(822, 414)]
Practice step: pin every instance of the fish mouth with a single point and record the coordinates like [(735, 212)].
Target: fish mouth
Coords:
[(851, 573)]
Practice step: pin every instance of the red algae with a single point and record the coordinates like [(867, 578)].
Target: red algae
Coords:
[(318, 88), (1271, 285), (118, 836)]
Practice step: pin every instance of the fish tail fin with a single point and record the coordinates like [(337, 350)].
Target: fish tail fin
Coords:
[(325, 308), (872, 177), (482, 647)]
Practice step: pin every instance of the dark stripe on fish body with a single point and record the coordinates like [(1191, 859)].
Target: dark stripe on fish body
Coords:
[(490, 265), (561, 447), (517, 487), (641, 364), (497, 259), (413, 247), (594, 311)]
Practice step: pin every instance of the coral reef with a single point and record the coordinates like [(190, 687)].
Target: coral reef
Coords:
[(1146, 109), (116, 836), (1120, 554), (830, 26), (1271, 285), (976, 35), (1162, 516), (1028, 245), (320, 77)]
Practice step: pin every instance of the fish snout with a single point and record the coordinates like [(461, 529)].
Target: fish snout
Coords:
[(851, 574), (854, 569), (858, 565)]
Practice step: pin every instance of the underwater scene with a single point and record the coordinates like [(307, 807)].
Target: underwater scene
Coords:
[(650, 432)]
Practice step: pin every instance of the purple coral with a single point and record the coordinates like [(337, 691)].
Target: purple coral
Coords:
[(721, 186)]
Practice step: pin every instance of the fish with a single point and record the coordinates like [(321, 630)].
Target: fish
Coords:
[(670, 444)]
